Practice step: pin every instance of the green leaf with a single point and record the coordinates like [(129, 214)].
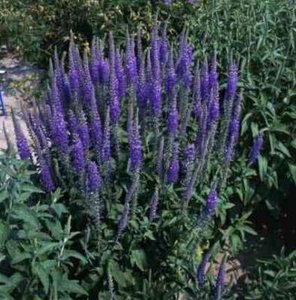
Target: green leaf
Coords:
[(138, 257), (30, 188), (4, 232), (292, 169), (3, 195), (262, 162), (43, 276), (27, 215), (72, 253)]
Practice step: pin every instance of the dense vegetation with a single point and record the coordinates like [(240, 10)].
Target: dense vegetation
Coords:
[(147, 257)]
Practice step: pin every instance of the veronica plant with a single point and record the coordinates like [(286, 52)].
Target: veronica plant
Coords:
[(138, 136)]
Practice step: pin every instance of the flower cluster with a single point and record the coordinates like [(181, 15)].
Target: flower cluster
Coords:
[(153, 112)]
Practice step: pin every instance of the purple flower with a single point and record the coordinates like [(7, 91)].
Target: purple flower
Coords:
[(93, 178), (78, 156), (167, 2), (88, 89), (233, 129), (214, 109), (106, 147), (218, 293), (58, 133), (197, 107), (173, 171), (21, 141), (205, 82), (171, 77), (189, 153), (95, 62), (135, 146), (163, 51), (155, 48), (156, 98), (232, 81), (95, 126), (74, 71), (201, 270), (172, 122), (131, 62), (123, 221), (120, 75), (256, 148), (45, 171), (153, 205), (212, 203), (84, 134), (114, 98), (184, 64), (104, 70), (73, 123)]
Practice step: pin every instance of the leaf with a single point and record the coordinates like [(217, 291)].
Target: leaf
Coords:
[(72, 253), (3, 195), (292, 169), (43, 276), (116, 273), (26, 187), (262, 163), (72, 286), (283, 149), (138, 257), (27, 215), (4, 232), (48, 247)]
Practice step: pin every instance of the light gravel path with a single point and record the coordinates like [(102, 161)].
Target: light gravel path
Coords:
[(19, 82)]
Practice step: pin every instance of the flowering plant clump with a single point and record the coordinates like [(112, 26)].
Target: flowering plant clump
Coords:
[(140, 140)]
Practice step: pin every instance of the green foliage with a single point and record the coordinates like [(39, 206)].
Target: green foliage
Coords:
[(35, 239), (274, 279)]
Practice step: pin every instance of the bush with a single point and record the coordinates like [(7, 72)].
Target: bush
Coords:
[(138, 146)]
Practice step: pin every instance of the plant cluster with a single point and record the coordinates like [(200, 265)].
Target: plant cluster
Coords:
[(138, 138)]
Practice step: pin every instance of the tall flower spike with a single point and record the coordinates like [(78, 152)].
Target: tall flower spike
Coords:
[(171, 77), (163, 51), (233, 130), (172, 122), (59, 133), (140, 55), (201, 270), (135, 147), (219, 288), (78, 156), (106, 147), (95, 63), (84, 132), (95, 126), (114, 97), (232, 81), (173, 171), (45, 172), (123, 221), (93, 178), (205, 82), (104, 67), (120, 75), (88, 89), (153, 205), (21, 141), (212, 202), (197, 106), (131, 62), (256, 148)]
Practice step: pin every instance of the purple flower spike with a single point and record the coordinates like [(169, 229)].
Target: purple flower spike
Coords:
[(45, 172), (93, 178), (232, 82), (205, 82), (131, 62), (123, 221), (153, 205), (156, 98), (120, 75), (201, 270), (172, 123), (212, 203), (135, 147), (171, 77), (21, 141), (78, 156), (256, 148), (59, 134), (173, 171), (163, 51), (189, 153), (84, 134), (106, 147), (218, 293), (114, 98)]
